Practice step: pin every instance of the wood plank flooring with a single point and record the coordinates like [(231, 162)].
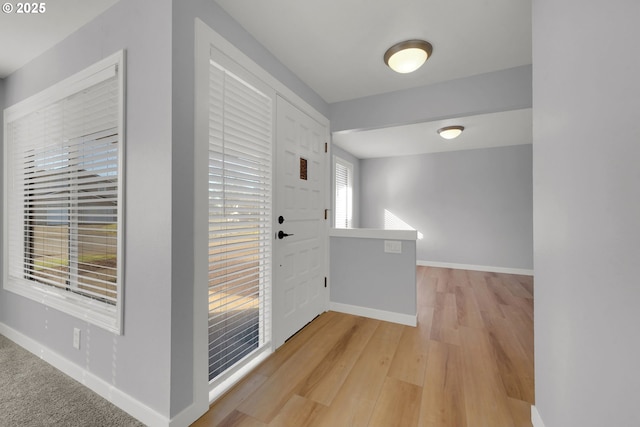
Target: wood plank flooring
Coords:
[(468, 363)]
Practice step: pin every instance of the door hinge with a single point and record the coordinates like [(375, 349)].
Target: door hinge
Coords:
[(326, 147), (325, 282)]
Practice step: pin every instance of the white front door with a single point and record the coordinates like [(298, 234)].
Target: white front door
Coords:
[(299, 289)]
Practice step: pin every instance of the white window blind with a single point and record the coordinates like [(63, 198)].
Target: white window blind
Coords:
[(240, 177), (64, 195), (343, 193)]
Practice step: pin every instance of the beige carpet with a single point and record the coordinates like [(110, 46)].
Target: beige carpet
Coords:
[(34, 393)]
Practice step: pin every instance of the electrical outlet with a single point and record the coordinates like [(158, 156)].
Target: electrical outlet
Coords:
[(393, 246), (76, 338)]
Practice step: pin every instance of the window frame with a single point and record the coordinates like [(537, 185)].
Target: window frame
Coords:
[(102, 314), (337, 160), (229, 156)]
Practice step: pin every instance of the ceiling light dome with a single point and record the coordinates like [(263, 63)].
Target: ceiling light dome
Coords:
[(450, 132), (407, 56)]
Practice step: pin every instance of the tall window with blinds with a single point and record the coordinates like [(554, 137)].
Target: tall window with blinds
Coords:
[(63, 186), (343, 201), (240, 192)]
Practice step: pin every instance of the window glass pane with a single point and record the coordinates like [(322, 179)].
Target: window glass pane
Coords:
[(240, 134), (64, 194), (343, 194)]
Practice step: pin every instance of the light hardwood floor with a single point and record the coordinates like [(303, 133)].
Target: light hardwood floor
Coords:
[(469, 363)]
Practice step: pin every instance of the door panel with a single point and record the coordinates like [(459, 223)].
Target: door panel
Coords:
[(299, 292)]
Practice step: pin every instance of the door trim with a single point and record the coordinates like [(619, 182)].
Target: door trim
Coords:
[(205, 39)]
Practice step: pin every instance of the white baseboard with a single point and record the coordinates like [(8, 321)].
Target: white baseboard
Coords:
[(535, 417), (388, 316), (122, 400), (188, 416), (521, 271)]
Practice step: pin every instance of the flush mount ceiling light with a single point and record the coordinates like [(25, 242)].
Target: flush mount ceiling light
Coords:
[(450, 132), (408, 56)]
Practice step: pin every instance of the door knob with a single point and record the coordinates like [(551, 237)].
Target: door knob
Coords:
[(282, 234)]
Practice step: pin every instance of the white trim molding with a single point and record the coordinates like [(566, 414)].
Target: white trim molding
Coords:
[(535, 417), (490, 269), (208, 41), (22, 154), (373, 313), (90, 380), (217, 41)]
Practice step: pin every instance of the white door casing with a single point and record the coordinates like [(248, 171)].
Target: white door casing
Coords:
[(299, 292), (281, 322)]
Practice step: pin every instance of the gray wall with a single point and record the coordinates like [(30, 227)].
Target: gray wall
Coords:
[(138, 362), (473, 206), (153, 360), (363, 275), (2, 107), (337, 151), (502, 90), (587, 212)]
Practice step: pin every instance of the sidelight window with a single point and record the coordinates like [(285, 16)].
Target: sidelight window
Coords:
[(240, 180)]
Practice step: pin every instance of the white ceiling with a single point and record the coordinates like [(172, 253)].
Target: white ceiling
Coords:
[(336, 47), (26, 36), (481, 131)]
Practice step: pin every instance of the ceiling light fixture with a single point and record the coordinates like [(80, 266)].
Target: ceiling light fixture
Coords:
[(450, 132), (408, 56)]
